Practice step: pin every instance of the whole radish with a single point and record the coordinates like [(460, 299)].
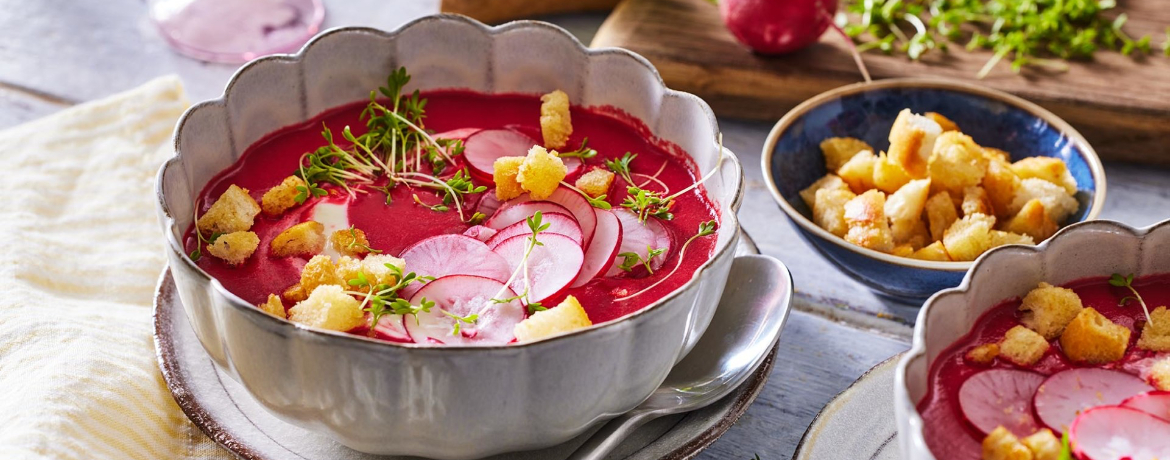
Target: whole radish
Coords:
[(777, 26)]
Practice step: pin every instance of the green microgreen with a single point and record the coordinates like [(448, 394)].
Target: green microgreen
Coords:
[(621, 166), (583, 152), (705, 229), (1065, 448), (433, 207), (645, 203), (597, 202), (535, 307), (469, 319), (630, 259), (536, 225), (354, 244), (1118, 280), (200, 242), (382, 299)]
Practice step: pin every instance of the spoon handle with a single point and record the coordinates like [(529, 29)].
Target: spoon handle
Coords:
[(610, 436)]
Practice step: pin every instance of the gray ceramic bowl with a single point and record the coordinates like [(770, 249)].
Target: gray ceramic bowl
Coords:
[(1087, 249), (452, 402)]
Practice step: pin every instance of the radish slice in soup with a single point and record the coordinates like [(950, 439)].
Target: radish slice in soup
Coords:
[(1156, 403), (520, 212), (638, 236), (457, 134), (464, 295), (390, 328), (1065, 394), (488, 204), (444, 255), (577, 205), (603, 250), (485, 147), (1117, 433), (480, 232), (558, 223), (552, 266), (1000, 397)]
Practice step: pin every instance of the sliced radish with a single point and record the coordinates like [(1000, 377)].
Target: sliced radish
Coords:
[(1065, 394), (480, 232), (637, 237), (520, 212), (444, 255), (1000, 397), (552, 266), (1156, 403), (559, 223), (485, 147), (488, 204), (603, 250), (577, 205), (390, 328), (464, 295), (457, 134), (1117, 433)]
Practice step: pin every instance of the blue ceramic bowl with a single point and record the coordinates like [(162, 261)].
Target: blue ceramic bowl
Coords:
[(792, 161)]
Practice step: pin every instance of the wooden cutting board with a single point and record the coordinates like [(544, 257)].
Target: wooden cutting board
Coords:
[(1120, 104), (496, 11)]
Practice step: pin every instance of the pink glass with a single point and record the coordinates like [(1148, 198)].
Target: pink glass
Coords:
[(235, 31)]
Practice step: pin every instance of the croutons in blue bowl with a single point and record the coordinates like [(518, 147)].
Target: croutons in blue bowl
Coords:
[(864, 172)]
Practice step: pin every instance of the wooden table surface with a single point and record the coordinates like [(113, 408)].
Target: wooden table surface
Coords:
[(57, 53)]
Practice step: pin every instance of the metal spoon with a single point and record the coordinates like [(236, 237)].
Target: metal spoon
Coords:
[(745, 328)]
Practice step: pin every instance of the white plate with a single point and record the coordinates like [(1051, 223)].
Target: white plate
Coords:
[(859, 423)]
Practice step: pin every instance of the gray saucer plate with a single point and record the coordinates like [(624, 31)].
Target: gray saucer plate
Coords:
[(859, 423), (224, 410)]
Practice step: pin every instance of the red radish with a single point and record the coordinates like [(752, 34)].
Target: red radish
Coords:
[(390, 328), (777, 26), (1000, 397), (1067, 393), (558, 223), (577, 205), (603, 250), (484, 147), (464, 295), (520, 212), (488, 204), (444, 255), (480, 232), (552, 266), (1156, 403), (1119, 433), (638, 236), (457, 134)]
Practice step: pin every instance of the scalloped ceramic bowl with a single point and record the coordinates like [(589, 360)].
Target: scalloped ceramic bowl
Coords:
[(1087, 249), (451, 402)]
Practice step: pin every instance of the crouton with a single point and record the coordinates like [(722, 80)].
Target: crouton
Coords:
[(1043, 444), (838, 150), (969, 237), (541, 173), (597, 181), (1001, 444), (1160, 374), (983, 355), (1048, 309), (234, 248), (303, 239), (1002, 238), (1001, 185), (940, 214), (328, 307), (1092, 339), (828, 182), (912, 140), (1057, 203), (320, 271), (858, 171), (278, 199), (273, 307), (936, 251), (1050, 169), (350, 242), (1033, 221), (555, 123), (233, 211), (888, 176), (903, 250), (904, 209), (943, 122), (956, 163), (1022, 346), (567, 316), (1156, 333), (975, 201), (829, 210), (917, 238), (504, 172), (866, 217), (996, 155), (374, 268)]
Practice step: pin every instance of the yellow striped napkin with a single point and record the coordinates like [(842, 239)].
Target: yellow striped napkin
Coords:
[(80, 253)]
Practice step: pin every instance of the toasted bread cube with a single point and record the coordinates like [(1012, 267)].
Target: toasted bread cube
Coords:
[(903, 250), (936, 251), (1160, 374), (866, 217), (1002, 238), (969, 237), (1050, 169), (940, 213), (1156, 333), (278, 199), (1001, 185), (912, 140), (328, 307), (320, 271), (374, 268), (1001, 444), (887, 175), (566, 317), (233, 211), (975, 201), (274, 307), (1057, 203), (294, 294), (858, 171), (1043, 444), (838, 150), (997, 155), (943, 122), (596, 182), (1022, 346), (983, 355), (828, 182), (904, 209), (234, 248), (541, 173), (919, 236), (1092, 339), (303, 239), (957, 163), (504, 172), (1048, 309), (555, 123), (829, 210), (1033, 221), (350, 242)]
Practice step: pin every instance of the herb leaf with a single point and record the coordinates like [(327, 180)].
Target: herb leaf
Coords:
[(583, 152), (1117, 280), (621, 166)]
